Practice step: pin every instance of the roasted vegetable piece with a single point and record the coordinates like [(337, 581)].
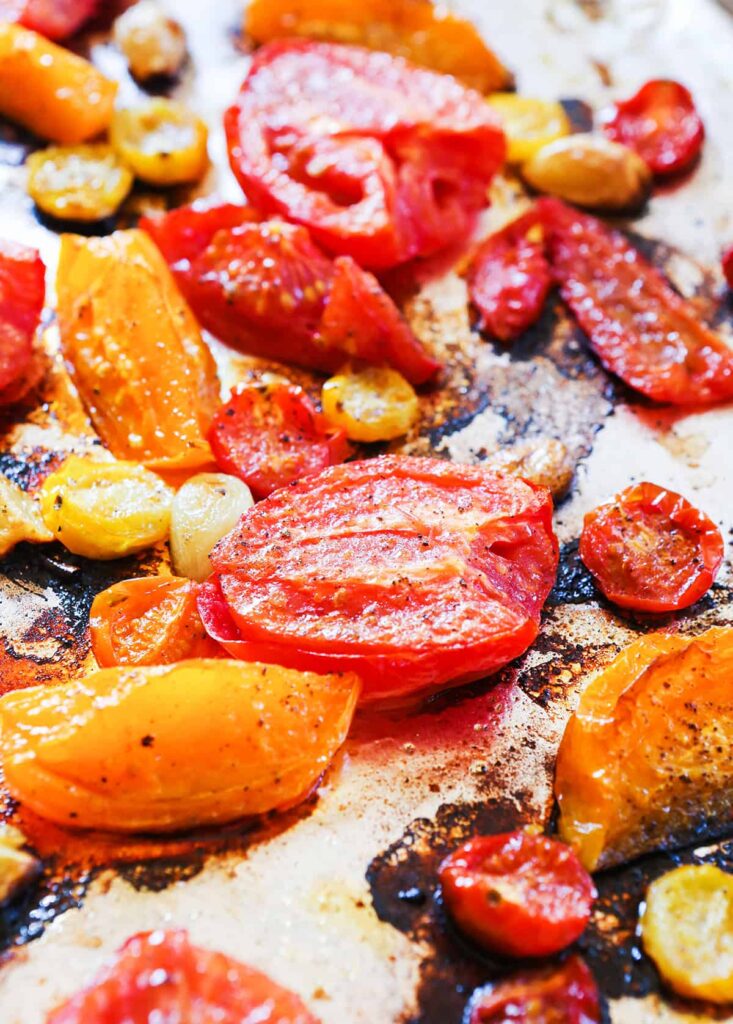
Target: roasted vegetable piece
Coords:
[(205, 509), (162, 141), (557, 994), (78, 182), (414, 572), (160, 748), (373, 403), (727, 264), (528, 123), (135, 351), (54, 19), (17, 867), (153, 43), (51, 91), (661, 123), (22, 291), (647, 757), (544, 461), (651, 550), (656, 344), (200, 987), (687, 930), (148, 621), (20, 517), (425, 33)]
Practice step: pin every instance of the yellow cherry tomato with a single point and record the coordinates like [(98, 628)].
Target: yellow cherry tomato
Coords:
[(78, 182), (687, 930), (529, 124), (372, 404), (105, 509), (162, 141), (20, 517)]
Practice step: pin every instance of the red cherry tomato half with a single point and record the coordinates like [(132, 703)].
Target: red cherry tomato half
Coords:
[(517, 894), (727, 263), (55, 19), (651, 550), (558, 994), (160, 976), (509, 278), (383, 161), (22, 291), (413, 572), (661, 123), (656, 344)]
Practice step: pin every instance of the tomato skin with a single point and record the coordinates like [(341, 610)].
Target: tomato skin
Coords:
[(22, 291), (656, 345), (651, 550), (727, 264), (182, 234), (557, 994), (199, 985), (54, 19), (509, 278), (662, 124)]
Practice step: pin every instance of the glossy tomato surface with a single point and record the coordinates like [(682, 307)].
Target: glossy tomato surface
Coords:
[(22, 291), (55, 19), (160, 976), (651, 550), (382, 160), (517, 894), (412, 572), (655, 344), (558, 994)]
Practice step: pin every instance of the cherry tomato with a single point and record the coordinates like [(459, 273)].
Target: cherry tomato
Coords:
[(162, 141), (392, 163), (661, 123), (22, 291), (727, 262), (529, 123), (518, 894), (271, 434), (509, 278), (557, 994), (651, 550), (84, 183), (655, 344), (55, 19), (373, 403), (200, 985), (413, 572)]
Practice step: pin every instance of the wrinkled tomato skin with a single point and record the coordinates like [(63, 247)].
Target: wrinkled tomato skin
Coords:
[(22, 291), (183, 234), (517, 894), (54, 19), (558, 994), (657, 344), (727, 264), (660, 122), (651, 550), (200, 985), (509, 278)]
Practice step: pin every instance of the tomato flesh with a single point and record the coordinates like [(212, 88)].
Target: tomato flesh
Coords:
[(662, 124), (161, 976), (651, 550), (381, 160), (557, 994), (22, 291), (55, 19), (637, 325), (518, 894)]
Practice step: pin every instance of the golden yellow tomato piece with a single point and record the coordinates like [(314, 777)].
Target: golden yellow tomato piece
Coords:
[(529, 124), (162, 141), (105, 509), (170, 747), (687, 930), (78, 182), (372, 404), (20, 517)]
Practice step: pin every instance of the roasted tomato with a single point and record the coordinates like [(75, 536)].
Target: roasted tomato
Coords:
[(162, 748), (20, 517), (149, 621), (271, 434), (204, 510), (517, 894), (413, 572), (651, 550), (373, 403), (647, 757), (200, 986), (557, 994), (55, 19), (22, 291), (152, 42), (392, 164), (509, 278), (661, 123), (727, 264), (656, 344), (78, 182), (162, 141), (135, 351), (528, 123)]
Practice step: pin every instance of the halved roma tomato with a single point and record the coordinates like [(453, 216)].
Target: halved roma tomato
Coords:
[(655, 344), (413, 572), (55, 19), (661, 123), (22, 291), (517, 894), (651, 550), (271, 434), (558, 994), (382, 160), (161, 976)]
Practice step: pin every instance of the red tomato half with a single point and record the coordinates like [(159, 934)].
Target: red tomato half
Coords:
[(518, 894), (382, 160), (727, 264), (661, 123), (22, 291), (656, 344), (558, 994), (651, 550), (509, 278), (160, 976), (412, 572), (55, 19)]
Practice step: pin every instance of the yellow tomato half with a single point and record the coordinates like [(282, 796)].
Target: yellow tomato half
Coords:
[(372, 404), (162, 141), (529, 124), (78, 182)]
